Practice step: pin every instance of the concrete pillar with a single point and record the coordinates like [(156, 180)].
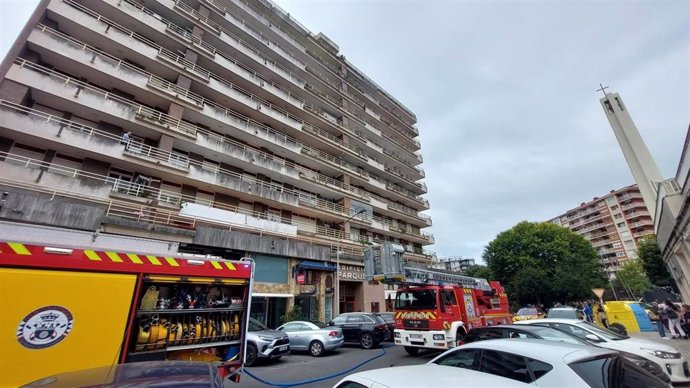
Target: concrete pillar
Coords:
[(203, 11), (14, 92), (191, 56), (184, 82), (166, 142), (197, 32), (5, 146), (175, 111)]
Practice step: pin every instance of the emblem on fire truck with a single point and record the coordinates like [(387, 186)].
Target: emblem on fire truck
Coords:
[(44, 327)]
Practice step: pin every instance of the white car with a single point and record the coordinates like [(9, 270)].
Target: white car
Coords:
[(425, 376), (548, 364), (512, 363), (667, 357)]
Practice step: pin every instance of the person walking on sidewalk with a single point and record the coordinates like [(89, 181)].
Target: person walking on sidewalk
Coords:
[(674, 315)]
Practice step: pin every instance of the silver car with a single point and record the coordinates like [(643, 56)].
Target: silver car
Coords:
[(315, 337)]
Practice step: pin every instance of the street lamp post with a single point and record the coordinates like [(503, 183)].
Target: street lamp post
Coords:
[(336, 302)]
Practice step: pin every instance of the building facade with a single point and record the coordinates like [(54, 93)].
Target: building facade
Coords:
[(223, 127), (613, 224), (458, 264)]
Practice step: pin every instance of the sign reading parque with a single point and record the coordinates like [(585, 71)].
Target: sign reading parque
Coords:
[(351, 272)]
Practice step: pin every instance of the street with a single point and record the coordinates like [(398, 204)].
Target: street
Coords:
[(299, 367)]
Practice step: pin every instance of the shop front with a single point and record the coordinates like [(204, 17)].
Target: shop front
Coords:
[(313, 289), (351, 288), (271, 296)]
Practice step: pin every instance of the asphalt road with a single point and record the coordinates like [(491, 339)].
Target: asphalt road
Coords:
[(301, 367)]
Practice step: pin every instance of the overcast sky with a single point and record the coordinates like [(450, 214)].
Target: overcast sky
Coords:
[(504, 92)]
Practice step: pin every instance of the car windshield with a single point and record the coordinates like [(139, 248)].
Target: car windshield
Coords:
[(416, 299), (557, 335), (606, 333), (255, 325), (527, 311)]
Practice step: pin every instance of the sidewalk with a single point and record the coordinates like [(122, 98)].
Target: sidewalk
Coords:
[(682, 346)]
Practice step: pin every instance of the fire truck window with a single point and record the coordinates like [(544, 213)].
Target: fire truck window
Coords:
[(423, 299), (465, 358), (449, 298), (507, 365)]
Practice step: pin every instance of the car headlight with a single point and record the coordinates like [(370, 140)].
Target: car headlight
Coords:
[(396, 334), (266, 338), (439, 337), (661, 353)]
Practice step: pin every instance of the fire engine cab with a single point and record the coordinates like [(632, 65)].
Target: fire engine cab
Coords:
[(68, 309), (434, 309)]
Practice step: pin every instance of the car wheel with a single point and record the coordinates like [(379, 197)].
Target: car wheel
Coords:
[(316, 348), (366, 340), (460, 335), (251, 355), (411, 350)]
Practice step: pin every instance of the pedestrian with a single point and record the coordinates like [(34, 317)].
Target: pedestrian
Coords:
[(674, 315), (685, 321), (125, 138), (589, 317), (601, 315), (659, 323)]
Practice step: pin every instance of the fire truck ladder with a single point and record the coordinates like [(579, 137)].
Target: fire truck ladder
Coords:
[(384, 263)]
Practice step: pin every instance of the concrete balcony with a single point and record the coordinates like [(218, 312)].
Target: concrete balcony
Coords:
[(238, 183), (157, 156), (275, 29), (22, 169)]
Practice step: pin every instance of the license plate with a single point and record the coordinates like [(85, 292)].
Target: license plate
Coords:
[(415, 336), (284, 347)]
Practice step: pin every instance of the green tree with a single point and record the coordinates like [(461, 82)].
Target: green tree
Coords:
[(652, 262), (479, 271), (540, 262), (633, 277)]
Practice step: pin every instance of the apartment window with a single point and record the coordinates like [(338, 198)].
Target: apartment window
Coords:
[(621, 224), (204, 198), (27, 152), (65, 164), (617, 245), (273, 215), (620, 254), (246, 208), (170, 194), (617, 216), (614, 207)]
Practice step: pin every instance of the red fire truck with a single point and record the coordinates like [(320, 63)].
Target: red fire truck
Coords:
[(434, 309), (68, 309)]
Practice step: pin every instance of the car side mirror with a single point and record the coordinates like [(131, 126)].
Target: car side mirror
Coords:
[(331, 323), (593, 338)]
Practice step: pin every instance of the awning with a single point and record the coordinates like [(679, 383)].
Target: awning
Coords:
[(318, 265)]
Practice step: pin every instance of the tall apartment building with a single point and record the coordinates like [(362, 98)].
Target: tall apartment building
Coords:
[(613, 224), (224, 127)]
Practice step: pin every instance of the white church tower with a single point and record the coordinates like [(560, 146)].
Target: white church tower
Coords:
[(642, 165)]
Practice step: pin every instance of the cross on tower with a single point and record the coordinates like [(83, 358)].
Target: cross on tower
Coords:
[(602, 89)]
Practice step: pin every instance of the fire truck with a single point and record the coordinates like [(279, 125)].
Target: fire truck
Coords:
[(68, 309), (434, 309)]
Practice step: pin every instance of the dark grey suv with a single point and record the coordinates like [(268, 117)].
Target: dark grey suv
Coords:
[(265, 343), (366, 329)]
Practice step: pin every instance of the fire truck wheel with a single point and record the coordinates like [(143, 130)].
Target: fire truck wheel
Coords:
[(460, 336), (366, 340), (411, 351), (251, 355), (316, 348)]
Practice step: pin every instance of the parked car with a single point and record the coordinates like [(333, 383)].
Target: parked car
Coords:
[(550, 334), (366, 329), (389, 318), (668, 358), (314, 336), (264, 343), (549, 364), (528, 313), (566, 312), (424, 376)]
